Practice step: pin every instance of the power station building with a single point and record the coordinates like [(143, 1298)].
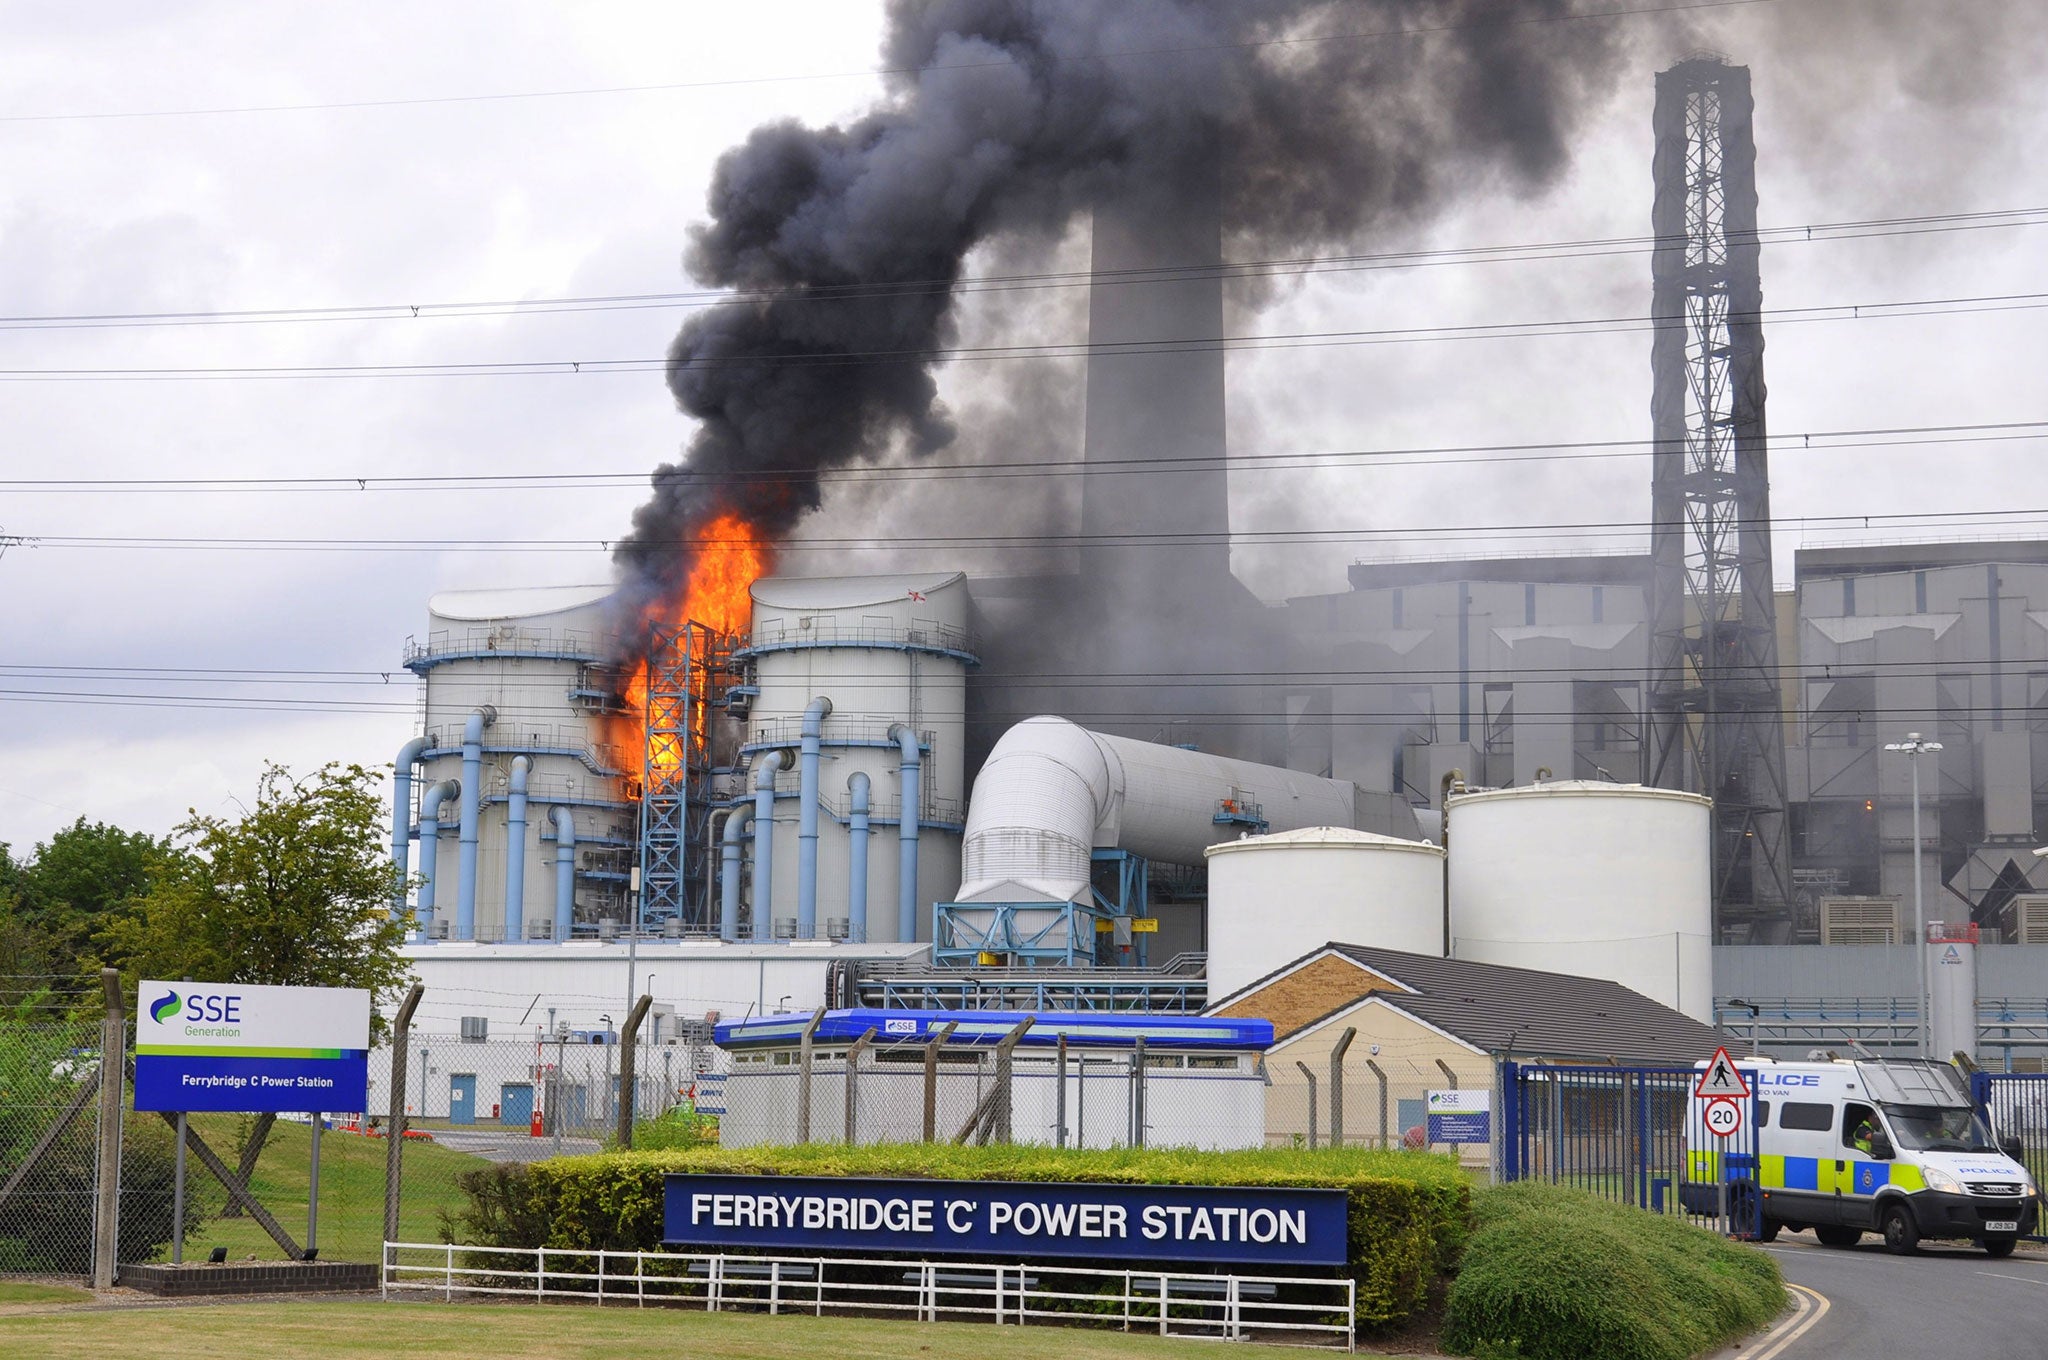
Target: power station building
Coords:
[(1655, 769)]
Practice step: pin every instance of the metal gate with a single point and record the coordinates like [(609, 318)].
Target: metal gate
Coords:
[(1634, 1135), (2015, 1104)]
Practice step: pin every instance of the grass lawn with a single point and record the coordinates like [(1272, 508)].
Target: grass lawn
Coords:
[(11, 1293), (351, 1191), (288, 1331)]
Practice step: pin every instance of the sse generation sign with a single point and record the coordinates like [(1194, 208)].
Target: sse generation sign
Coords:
[(1007, 1219), (225, 1047)]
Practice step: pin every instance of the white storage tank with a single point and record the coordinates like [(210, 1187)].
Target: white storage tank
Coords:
[(1274, 898), (887, 653), (528, 660), (1591, 879)]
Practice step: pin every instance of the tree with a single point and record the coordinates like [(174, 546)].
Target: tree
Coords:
[(296, 893), (73, 883)]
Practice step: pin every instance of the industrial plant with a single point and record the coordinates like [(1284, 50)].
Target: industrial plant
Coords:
[(907, 791)]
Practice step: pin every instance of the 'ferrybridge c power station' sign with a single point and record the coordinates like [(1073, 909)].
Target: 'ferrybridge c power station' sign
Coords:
[(227, 1047), (1007, 1219)]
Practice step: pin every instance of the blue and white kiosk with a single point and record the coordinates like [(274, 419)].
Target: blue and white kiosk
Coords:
[(1072, 1077)]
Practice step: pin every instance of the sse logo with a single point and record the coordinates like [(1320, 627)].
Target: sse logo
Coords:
[(218, 1007)]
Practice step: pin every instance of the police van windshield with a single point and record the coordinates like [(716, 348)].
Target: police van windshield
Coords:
[(1937, 1128)]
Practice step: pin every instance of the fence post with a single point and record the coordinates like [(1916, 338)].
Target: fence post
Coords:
[(629, 1069), (1059, 1099), (1337, 1086), (394, 1127), (1006, 1072), (1374, 1067), (1508, 1165), (853, 1056), (1137, 1139), (806, 1056), (1312, 1120), (931, 1079), (106, 1228)]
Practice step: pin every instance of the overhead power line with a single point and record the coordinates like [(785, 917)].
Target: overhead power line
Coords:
[(1793, 233), (1064, 349), (1443, 455)]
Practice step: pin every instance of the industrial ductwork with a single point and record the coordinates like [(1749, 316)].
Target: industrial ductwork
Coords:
[(565, 871), (472, 784), (401, 820), (771, 764), (857, 857), (910, 771), (1052, 791), (807, 818), (515, 851), (430, 848)]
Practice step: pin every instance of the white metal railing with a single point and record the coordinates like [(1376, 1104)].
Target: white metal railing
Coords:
[(1315, 1310)]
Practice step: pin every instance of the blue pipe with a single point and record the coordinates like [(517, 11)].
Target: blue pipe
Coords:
[(565, 871), (906, 834), (401, 820), (430, 849), (515, 853), (729, 877), (472, 787), (772, 763), (807, 820), (857, 858)]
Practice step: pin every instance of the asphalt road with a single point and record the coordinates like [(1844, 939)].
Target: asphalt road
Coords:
[(509, 1145), (1951, 1300)]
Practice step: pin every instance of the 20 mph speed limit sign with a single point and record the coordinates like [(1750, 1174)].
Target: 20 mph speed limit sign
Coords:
[(1723, 1118)]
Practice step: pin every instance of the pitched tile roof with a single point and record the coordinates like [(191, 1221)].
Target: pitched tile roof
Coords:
[(1529, 1014)]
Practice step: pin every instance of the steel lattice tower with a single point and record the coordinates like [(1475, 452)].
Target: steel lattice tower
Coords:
[(1716, 726), (683, 675)]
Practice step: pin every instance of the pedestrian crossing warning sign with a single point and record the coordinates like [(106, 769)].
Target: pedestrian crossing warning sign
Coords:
[(1721, 1080)]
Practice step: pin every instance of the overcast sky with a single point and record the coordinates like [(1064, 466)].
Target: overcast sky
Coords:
[(280, 160)]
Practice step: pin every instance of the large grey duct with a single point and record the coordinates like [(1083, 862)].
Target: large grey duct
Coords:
[(1052, 791)]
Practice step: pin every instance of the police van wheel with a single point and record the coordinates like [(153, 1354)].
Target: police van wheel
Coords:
[(2000, 1246), (1837, 1235), (1901, 1234), (1768, 1231)]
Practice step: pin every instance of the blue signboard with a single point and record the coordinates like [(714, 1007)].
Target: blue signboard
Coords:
[(249, 1049), (1006, 1220)]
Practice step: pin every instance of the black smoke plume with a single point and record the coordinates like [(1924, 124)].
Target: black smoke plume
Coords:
[(844, 245)]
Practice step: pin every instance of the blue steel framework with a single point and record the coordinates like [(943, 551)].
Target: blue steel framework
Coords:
[(1633, 1135), (1050, 934), (688, 675)]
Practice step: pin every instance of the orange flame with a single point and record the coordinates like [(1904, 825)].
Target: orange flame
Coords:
[(730, 557)]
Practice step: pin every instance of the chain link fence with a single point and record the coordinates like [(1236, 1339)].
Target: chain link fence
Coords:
[(49, 1136)]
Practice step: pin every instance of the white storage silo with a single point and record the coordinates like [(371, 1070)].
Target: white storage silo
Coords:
[(1950, 958), (515, 668), (1274, 898), (889, 655), (1591, 879)]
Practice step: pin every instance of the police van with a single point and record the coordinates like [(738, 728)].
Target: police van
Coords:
[(1848, 1146)]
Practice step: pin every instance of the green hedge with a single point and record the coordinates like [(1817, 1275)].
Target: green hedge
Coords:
[(1408, 1216), (1552, 1273)]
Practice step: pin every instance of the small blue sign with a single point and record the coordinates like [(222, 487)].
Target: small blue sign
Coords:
[(1006, 1220)]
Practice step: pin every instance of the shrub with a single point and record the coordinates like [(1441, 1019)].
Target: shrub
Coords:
[(1552, 1273), (1407, 1219)]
